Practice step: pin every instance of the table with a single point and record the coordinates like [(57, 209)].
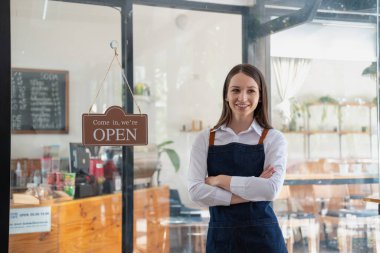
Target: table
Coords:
[(374, 200)]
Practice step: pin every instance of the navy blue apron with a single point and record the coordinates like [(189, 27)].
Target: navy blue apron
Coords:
[(247, 227)]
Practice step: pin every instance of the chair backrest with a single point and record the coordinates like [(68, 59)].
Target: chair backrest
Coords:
[(330, 191), (375, 189), (360, 190), (174, 197), (335, 195)]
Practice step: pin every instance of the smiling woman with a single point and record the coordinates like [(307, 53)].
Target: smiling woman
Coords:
[(238, 167)]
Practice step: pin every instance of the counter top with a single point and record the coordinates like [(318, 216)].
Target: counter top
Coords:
[(331, 178)]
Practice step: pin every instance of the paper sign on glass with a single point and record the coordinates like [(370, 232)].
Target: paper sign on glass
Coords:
[(114, 128)]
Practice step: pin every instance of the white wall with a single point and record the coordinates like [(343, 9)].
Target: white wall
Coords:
[(73, 37), (339, 52), (327, 40)]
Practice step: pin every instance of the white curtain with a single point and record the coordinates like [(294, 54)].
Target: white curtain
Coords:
[(290, 74)]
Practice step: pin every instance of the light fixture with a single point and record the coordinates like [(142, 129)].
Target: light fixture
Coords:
[(45, 10)]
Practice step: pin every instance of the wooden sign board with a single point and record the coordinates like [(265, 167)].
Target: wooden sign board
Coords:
[(114, 128)]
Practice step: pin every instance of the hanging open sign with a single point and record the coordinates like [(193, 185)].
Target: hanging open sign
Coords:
[(114, 128)]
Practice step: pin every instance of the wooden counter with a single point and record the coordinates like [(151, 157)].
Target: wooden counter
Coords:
[(94, 225)]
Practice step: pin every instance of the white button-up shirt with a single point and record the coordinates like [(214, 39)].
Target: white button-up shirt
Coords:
[(249, 188)]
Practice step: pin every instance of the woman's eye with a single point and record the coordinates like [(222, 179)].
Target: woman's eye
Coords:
[(235, 90), (251, 91)]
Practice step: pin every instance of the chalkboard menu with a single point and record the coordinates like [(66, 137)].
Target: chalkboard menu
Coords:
[(39, 101)]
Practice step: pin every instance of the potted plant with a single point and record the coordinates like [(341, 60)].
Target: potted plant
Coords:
[(326, 100), (370, 71), (171, 153), (298, 110)]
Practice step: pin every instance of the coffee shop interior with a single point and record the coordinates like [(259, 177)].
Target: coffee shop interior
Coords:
[(319, 58)]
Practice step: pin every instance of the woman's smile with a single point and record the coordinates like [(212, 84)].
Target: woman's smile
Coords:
[(242, 106)]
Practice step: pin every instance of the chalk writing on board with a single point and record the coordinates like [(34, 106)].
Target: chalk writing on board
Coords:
[(39, 101)]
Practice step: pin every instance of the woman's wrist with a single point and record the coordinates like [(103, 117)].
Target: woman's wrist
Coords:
[(224, 182), (237, 200)]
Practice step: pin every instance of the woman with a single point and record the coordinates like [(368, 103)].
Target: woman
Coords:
[(227, 169)]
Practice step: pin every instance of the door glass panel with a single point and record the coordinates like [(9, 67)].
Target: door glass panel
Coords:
[(324, 99), (181, 58), (60, 54)]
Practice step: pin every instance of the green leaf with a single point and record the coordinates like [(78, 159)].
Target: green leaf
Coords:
[(370, 70), (327, 99), (164, 144), (173, 156)]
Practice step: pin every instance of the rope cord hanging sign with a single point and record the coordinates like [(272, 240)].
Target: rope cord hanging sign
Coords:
[(114, 127)]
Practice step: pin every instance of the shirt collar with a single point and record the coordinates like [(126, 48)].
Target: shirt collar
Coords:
[(258, 129), (254, 126)]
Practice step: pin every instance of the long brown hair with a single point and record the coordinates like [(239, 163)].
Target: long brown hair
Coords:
[(261, 111)]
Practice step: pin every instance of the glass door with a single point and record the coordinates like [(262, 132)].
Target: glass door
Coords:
[(61, 194), (180, 60)]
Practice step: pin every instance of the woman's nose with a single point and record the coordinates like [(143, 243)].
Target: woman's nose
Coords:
[(242, 96)]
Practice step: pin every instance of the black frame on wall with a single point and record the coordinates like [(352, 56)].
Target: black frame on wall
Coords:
[(255, 27)]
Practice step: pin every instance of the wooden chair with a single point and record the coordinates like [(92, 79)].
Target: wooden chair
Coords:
[(291, 220)]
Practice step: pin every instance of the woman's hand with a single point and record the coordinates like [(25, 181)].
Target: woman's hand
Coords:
[(221, 181), (213, 181), (268, 172)]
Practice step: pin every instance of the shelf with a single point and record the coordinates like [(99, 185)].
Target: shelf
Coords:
[(364, 104), (322, 132), (355, 132), (343, 104), (338, 129), (295, 132), (321, 103), (327, 132)]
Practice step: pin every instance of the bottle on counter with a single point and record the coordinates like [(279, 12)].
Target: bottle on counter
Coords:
[(117, 181), (37, 178), (19, 182)]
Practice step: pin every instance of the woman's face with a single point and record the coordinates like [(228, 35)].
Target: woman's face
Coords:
[(243, 95)]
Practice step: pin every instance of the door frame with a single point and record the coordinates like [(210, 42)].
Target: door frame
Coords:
[(5, 126)]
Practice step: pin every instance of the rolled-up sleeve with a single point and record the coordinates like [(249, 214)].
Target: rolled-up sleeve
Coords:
[(200, 192), (262, 189)]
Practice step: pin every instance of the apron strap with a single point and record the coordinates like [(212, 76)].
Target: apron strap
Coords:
[(263, 135), (211, 138)]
